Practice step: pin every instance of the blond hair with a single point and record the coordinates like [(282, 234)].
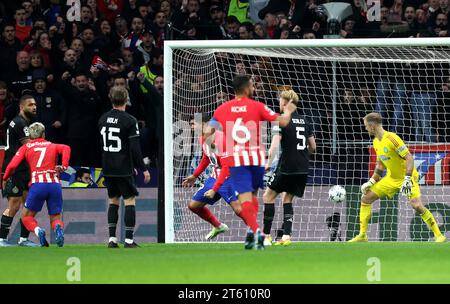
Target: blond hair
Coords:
[(118, 96), (36, 130), (290, 95), (373, 118)]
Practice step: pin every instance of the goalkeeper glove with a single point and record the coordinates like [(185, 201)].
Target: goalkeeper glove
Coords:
[(405, 190), (366, 186)]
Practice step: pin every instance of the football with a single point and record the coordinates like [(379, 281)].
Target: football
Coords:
[(337, 194)]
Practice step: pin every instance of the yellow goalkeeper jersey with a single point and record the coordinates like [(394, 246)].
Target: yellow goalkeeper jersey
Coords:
[(391, 151)]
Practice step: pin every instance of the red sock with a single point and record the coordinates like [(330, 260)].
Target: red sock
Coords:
[(30, 223), (205, 214), (248, 215), (56, 222), (255, 204)]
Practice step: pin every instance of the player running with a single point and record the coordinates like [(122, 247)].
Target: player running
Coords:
[(393, 155), (297, 144), (41, 155), (16, 189), (240, 120), (121, 154), (215, 187)]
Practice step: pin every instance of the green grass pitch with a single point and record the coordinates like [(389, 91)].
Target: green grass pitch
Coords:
[(229, 263)]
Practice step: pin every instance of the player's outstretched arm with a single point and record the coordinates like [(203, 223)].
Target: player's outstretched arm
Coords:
[(15, 162), (379, 169), (190, 180), (274, 145), (285, 118)]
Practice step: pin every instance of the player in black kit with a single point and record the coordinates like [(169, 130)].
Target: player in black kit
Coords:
[(16, 188), (297, 144), (121, 155)]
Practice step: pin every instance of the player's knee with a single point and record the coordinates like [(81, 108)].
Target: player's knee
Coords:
[(237, 209), (114, 201), (267, 198), (367, 199)]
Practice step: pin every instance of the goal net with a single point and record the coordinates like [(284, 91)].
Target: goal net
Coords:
[(339, 82)]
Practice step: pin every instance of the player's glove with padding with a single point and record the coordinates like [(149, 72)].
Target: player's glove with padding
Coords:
[(405, 190), (366, 186)]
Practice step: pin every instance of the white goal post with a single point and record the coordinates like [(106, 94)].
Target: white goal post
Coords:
[(338, 81)]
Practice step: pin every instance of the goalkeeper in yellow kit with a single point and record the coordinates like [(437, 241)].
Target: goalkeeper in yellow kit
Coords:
[(393, 155)]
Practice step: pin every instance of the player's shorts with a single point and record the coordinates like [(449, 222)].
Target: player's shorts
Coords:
[(45, 192), (291, 183), (17, 184), (247, 178), (121, 186), (226, 192), (389, 187)]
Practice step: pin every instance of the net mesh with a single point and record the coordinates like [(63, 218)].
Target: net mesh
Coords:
[(409, 86)]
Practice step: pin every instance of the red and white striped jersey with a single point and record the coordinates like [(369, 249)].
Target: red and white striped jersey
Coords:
[(212, 155), (41, 156), (240, 120)]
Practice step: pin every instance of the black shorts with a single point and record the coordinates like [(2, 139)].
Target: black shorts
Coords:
[(121, 186), (17, 184), (291, 183)]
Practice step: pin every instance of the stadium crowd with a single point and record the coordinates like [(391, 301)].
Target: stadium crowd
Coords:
[(69, 66)]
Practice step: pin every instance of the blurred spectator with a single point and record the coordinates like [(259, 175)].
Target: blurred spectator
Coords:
[(6, 101), (246, 31), (216, 26), (260, 31), (440, 27), (239, 9), (232, 25), (22, 29), (83, 179), (20, 78)]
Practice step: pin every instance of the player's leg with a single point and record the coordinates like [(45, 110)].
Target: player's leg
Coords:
[(365, 213), (129, 193), (24, 233), (54, 206), (428, 218), (113, 210), (269, 197), (30, 223), (288, 217), (7, 219)]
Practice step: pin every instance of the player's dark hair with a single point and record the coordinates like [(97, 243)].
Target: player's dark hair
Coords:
[(25, 98), (240, 82)]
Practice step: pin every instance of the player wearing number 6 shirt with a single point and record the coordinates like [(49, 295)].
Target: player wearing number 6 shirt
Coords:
[(121, 155), (240, 120), (297, 143), (41, 155)]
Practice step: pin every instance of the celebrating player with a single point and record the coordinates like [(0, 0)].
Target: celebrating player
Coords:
[(121, 153), (41, 155), (16, 188), (297, 143), (218, 185), (240, 120), (393, 155)]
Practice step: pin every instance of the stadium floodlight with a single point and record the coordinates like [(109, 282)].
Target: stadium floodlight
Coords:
[(338, 81), (335, 12)]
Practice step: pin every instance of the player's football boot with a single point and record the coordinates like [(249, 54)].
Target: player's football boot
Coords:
[(132, 245), (112, 244), (216, 231), (42, 239), (260, 237), (5, 243), (249, 240), (285, 241), (268, 240), (59, 235), (440, 239), (360, 238), (27, 243)]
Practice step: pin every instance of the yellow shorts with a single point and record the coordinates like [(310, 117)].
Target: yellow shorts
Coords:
[(389, 187)]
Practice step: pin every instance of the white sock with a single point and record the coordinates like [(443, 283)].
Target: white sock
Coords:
[(113, 239), (36, 231), (129, 241)]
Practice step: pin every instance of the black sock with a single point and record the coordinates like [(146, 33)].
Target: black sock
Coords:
[(269, 212), (6, 222), (288, 212), (130, 221), (113, 217), (24, 233)]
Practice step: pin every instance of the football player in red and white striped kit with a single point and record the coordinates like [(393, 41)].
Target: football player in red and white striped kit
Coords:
[(45, 185)]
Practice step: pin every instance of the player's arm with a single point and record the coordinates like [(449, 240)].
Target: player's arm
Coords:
[(64, 151), (273, 150), (376, 176), (312, 144), (190, 180), (224, 174), (15, 162), (136, 153)]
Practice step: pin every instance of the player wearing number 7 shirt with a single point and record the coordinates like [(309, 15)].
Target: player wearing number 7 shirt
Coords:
[(45, 186), (240, 120)]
